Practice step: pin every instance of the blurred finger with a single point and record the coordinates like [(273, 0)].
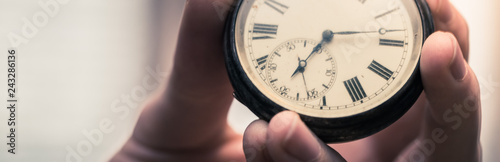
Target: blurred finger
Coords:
[(289, 139), (452, 119), (193, 109), (254, 142), (447, 18)]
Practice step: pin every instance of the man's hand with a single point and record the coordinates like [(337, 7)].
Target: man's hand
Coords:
[(442, 126), (187, 121)]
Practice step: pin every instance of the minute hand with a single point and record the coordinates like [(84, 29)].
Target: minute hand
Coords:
[(381, 31)]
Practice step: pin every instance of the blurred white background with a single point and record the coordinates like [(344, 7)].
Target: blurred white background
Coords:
[(89, 59)]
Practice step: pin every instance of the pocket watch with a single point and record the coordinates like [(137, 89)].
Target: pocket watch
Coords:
[(349, 68)]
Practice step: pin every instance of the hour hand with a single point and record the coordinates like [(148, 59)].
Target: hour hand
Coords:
[(299, 68), (296, 71)]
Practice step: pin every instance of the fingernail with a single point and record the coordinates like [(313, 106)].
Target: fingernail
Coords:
[(457, 67), (300, 142)]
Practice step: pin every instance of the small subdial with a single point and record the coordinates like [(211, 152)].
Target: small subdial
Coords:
[(301, 70)]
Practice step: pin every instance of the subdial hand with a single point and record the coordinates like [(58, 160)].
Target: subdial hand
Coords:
[(305, 84), (301, 67)]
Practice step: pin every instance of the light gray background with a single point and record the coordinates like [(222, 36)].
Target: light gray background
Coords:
[(92, 52)]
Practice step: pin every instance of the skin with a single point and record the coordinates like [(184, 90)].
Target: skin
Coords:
[(187, 120)]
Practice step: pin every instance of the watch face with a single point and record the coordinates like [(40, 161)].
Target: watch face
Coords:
[(328, 58)]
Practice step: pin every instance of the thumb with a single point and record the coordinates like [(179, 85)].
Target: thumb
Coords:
[(287, 139), (452, 120)]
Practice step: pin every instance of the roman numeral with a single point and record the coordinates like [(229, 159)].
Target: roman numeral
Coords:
[(380, 70), (386, 13), (274, 80), (266, 31), (355, 89), (323, 102), (279, 7), (262, 62), (362, 1), (389, 42)]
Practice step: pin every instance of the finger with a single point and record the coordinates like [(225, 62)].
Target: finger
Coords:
[(452, 119), (254, 142), (199, 60), (192, 110), (199, 75), (447, 18), (289, 139)]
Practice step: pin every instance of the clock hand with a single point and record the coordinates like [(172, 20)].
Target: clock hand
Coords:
[(303, 63), (305, 84), (353, 32), (380, 31), (327, 38), (315, 49), (300, 67)]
